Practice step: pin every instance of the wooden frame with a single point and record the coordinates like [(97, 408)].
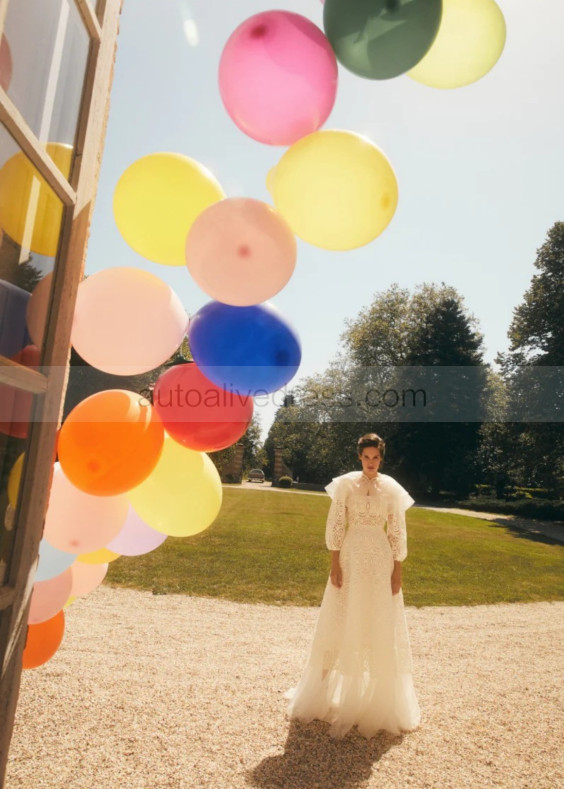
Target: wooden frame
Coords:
[(78, 199)]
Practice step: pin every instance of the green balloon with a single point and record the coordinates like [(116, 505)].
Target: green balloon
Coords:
[(381, 39)]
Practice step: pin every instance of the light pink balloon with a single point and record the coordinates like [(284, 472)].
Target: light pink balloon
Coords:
[(278, 77), (135, 537), (86, 577), (49, 597), (80, 523), (36, 310), (127, 321), (241, 251)]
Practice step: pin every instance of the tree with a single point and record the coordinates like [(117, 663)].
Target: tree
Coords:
[(421, 333), (537, 330), (439, 454), (253, 453), (396, 341), (536, 337)]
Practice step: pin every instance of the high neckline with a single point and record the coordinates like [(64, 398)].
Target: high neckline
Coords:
[(370, 479)]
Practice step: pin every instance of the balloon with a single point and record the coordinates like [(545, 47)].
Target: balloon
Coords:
[(48, 597), (136, 537), (110, 442), (77, 522), (335, 188), (98, 557), (127, 321), (9, 516), (14, 480), (157, 199), (5, 64), (380, 39), (249, 350), (16, 404), (13, 332), (278, 77), (86, 577), (470, 41), (52, 561), (197, 413), (18, 178), (241, 251), (36, 310), (183, 494), (43, 641)]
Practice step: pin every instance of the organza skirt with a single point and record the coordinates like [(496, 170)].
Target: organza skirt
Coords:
[(359, 670)]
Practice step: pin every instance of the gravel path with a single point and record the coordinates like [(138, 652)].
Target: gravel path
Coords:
[(180, 692)]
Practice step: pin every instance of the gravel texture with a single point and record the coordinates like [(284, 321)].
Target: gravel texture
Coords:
[(179, 692)]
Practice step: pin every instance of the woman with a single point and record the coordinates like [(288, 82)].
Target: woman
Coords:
[(359, 669)]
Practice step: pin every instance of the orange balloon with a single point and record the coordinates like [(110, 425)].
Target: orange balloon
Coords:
[(110, 442), (43, 641)]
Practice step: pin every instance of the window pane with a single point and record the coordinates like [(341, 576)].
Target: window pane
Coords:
[(43, 56), (30, 220), (11, 450)]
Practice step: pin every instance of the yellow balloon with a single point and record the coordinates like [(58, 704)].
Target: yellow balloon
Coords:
[(14, 480), (469, 43), (27, 202), (157, 199), (335, 188), (98, 557), (182, 495)]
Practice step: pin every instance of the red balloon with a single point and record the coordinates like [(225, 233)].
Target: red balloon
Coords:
[(15, 405), (197, 413)]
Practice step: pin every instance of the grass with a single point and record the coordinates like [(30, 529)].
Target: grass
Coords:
[(268, 547)]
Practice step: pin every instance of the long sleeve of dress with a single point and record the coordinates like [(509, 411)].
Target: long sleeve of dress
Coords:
[(336, 521), (396, 531)]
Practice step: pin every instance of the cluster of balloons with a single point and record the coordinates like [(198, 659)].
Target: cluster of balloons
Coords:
[(122, 484), (131, 472), (278, 83), (240, 251)]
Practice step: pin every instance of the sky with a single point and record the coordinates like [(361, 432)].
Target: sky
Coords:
[(480, 169)]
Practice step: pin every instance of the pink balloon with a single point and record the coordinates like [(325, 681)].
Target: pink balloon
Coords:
[(127, 321), (241, 251), (49, 597), (78, 522), (278, 77), (86, 577), (135, 537), (36, 310)]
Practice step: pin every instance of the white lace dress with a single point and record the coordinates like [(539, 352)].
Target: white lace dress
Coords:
[(359, 669)]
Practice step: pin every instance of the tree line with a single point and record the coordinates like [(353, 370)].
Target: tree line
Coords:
[(411, 368)]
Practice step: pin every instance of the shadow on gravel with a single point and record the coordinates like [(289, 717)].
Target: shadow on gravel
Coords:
[(551, 534), (313, 759)]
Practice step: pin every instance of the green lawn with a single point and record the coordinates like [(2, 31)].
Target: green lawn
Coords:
[(269, 547)]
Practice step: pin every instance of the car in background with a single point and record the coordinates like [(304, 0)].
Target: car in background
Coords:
[(256, 476)]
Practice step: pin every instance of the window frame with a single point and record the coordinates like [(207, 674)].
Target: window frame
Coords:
[(49, 384)]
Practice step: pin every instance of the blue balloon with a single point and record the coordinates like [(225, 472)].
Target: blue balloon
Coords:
[(13, 330), (248, 350), (52, 562)]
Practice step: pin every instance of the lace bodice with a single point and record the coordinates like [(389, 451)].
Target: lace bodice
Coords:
[(359, 502)]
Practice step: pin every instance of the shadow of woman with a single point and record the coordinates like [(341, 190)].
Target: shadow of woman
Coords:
[(313, 759)]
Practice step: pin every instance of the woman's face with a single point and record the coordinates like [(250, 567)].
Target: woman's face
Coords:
[(370, 459)]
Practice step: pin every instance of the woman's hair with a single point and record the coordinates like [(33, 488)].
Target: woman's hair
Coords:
[(371, 440)]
